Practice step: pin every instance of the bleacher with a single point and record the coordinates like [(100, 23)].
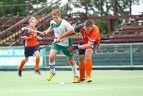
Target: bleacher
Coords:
[(11, 35), (6, 22), (130, 32)]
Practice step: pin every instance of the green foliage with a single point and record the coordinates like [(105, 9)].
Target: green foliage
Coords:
[(7, 10), (94, 9), (7, 7)]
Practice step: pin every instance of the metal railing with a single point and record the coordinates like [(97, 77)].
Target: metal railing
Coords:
[(109, 56)]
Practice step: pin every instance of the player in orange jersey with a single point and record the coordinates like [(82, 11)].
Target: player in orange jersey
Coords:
[(31, 46), (90, 41)]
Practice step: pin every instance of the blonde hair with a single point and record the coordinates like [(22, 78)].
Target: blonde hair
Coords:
[(31, 18), (56, 12), (88, 23)]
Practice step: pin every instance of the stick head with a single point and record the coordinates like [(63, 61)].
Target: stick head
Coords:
[(23, 28), (24, 31)]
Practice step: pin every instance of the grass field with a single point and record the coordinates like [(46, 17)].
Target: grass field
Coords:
[(105, 83)]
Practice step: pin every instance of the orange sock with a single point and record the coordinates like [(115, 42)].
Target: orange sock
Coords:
[(82, 71), (37, 63), (88, 67), (21, 65)]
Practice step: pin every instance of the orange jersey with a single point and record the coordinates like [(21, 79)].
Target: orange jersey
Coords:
[(93, 36), (32, 41)]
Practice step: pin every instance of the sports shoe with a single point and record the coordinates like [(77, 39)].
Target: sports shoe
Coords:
[(82, 80), (76, 79), (38, 72), (19, 73), (50, 76), (88, 79)]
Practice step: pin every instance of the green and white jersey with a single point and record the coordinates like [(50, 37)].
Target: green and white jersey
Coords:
[(60, 29)]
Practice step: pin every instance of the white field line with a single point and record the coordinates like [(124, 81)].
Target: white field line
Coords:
[(69, 89), (112, 77)]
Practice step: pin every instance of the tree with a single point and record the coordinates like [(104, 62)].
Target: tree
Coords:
[(12, 7), (105, 8)]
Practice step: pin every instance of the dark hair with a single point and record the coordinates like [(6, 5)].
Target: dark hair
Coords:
[(88, 23)]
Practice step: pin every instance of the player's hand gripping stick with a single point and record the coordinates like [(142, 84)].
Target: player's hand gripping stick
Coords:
[(72, 48)]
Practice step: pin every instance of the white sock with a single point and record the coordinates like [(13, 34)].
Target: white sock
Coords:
[(74, 69), (52, 67)]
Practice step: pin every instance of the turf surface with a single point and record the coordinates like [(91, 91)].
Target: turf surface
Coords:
[(105, 83)]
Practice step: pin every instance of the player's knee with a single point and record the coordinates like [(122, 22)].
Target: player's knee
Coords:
[(51, 59), (38, 56), (89, 51), (81, 60), (72, 62), (26, 59)]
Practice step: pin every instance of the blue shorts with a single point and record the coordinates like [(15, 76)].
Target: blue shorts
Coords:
[(29, 51), (82, 51)]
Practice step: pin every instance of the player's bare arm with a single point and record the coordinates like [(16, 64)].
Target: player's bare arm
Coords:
[(39, 38), (70, 32), (67, 34), (84, 46), (47, 31)]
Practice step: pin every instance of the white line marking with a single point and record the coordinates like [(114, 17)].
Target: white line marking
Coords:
[(103, 88)]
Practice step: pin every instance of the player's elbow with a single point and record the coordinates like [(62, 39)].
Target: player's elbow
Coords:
[(73, 32)]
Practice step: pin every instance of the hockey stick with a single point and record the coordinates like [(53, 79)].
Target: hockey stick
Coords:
[(46, 46), (69, 37), (38, 32), (60, 40)]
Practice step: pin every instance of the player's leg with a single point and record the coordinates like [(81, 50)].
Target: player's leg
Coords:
[(88, 63), (52, 56), (37, 54), (28, 51), (81, 63), (72, 63), (82, 67), (21, 66), (53, 52), (74, 69)]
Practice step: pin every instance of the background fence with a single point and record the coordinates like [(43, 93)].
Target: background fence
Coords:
[(107, 56)]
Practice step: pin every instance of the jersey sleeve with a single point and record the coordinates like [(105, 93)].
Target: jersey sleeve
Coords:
[(52, 24), (94, 36), (67, 25), (78, 28)]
